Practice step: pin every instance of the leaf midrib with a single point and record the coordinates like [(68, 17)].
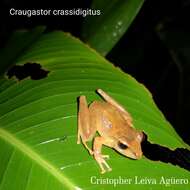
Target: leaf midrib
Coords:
[(11, 139)]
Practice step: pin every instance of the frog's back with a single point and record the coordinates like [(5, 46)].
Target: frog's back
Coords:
[(106, 118)]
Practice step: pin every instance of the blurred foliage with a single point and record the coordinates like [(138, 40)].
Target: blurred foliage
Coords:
[(104, 31)]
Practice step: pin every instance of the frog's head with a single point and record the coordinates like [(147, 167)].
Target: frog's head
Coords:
[(130, 145)]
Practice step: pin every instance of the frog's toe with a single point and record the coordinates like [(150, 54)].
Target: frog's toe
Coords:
[(91, 152), (103, 171), (106, 156)]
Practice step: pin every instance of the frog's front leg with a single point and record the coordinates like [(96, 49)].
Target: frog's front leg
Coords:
[(85, 131), (98, 142)]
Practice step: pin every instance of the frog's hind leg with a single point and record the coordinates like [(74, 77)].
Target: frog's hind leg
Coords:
[(114, 103), (84, 131)]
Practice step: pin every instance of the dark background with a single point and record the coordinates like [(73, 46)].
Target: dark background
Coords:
[(156, 47)]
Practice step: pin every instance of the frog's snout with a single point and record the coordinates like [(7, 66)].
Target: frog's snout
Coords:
[(138, 155)]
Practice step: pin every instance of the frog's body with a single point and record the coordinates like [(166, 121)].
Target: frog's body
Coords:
[(102, 120), (114, 125)]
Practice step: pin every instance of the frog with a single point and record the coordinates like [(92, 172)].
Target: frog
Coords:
[(114, 126)]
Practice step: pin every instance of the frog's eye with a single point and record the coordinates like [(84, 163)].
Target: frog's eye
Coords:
[(122, 146)]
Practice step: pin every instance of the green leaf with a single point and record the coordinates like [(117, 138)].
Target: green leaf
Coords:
[(104, 31), (38, 122)]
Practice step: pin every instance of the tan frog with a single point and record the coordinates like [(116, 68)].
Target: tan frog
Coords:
[(114, 125)]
